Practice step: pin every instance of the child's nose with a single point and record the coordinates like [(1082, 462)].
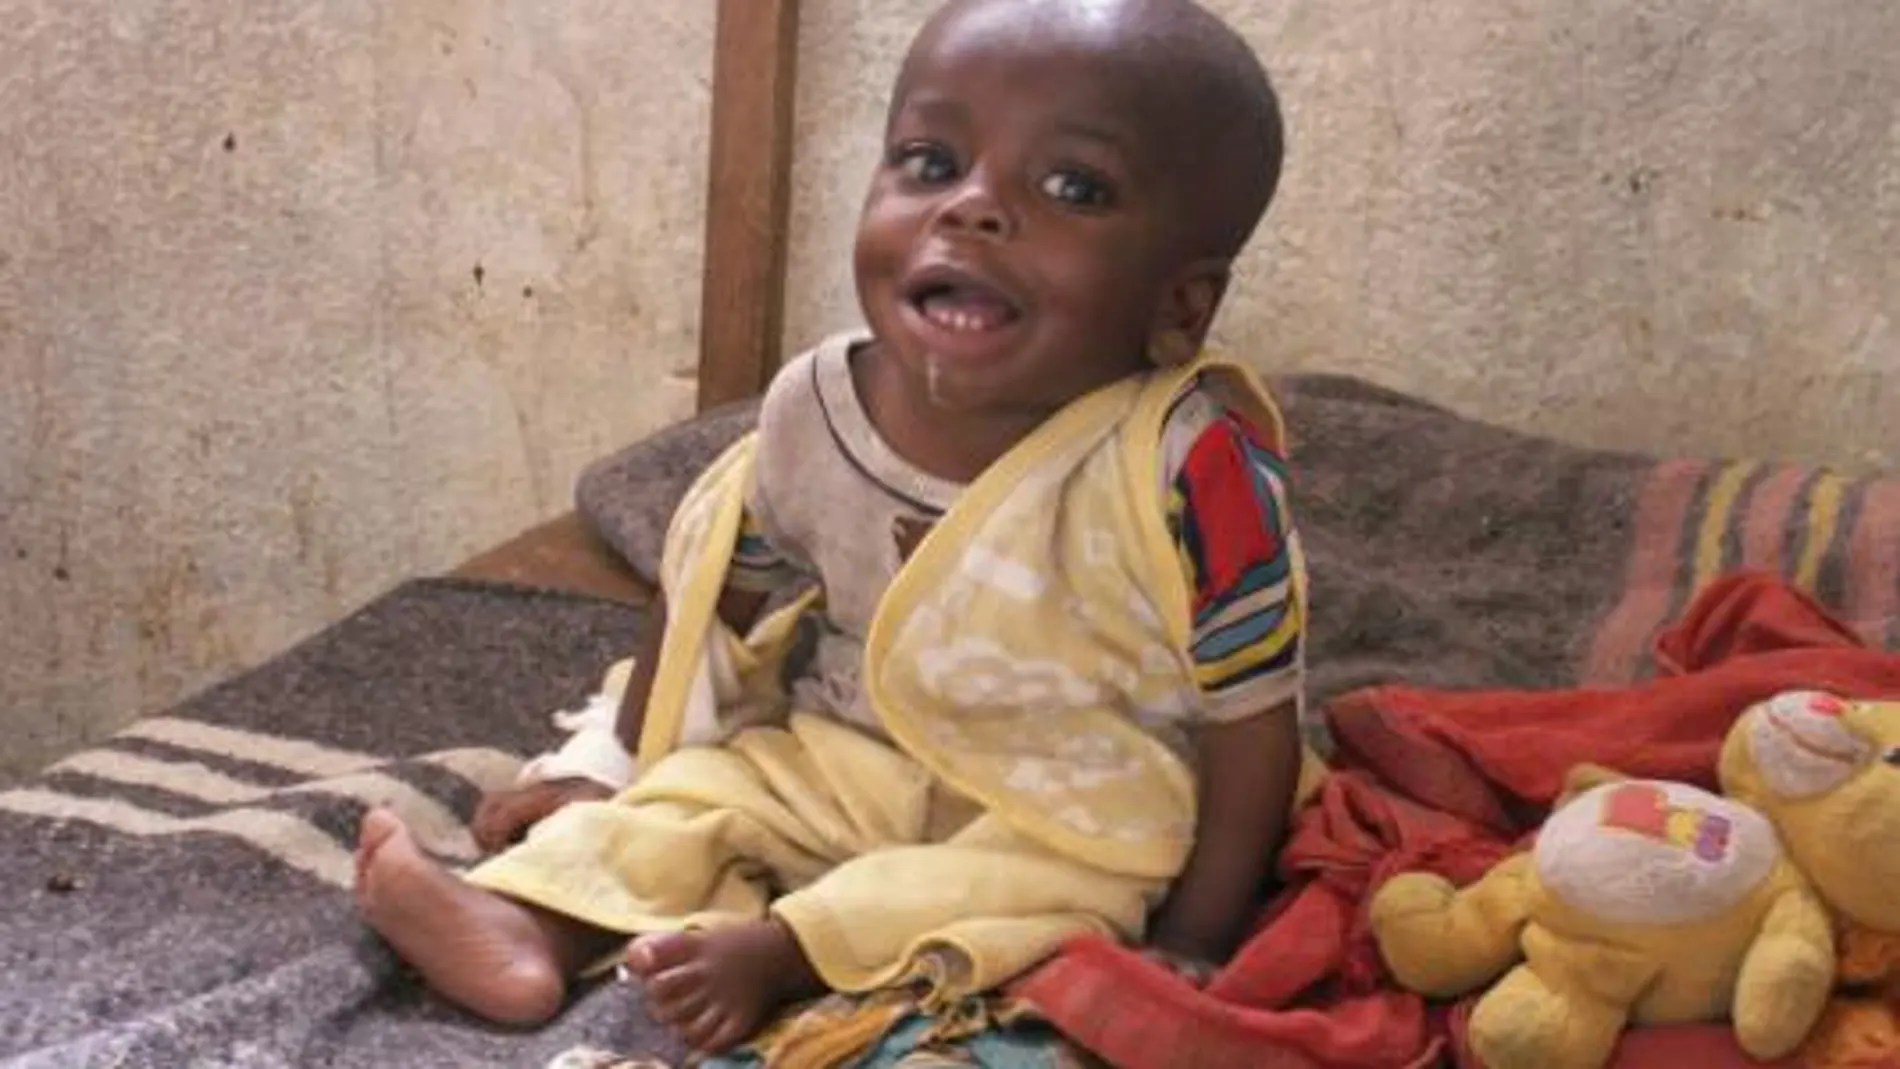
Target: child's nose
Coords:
[(975, 207)]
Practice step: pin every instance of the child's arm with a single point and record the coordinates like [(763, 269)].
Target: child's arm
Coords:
[(738, 609), (503, 816), (1249, 769), (1229, 513)]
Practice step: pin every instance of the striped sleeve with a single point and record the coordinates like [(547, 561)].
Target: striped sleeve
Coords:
[(1229, 515)]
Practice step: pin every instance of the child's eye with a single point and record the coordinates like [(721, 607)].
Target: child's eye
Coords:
[(929, 164), (1078, 189)]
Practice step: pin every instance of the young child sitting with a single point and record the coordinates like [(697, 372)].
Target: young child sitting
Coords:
[(1059, 597)]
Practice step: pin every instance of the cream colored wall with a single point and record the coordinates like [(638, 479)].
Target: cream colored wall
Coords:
[(248, 374), (243, 390), (1659, 225)]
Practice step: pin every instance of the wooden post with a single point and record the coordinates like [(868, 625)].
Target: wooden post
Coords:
[(748, 198)]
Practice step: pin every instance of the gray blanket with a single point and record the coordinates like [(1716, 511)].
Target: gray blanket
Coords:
[(179, 896)]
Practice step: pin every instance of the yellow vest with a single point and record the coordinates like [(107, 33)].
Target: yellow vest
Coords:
[(1020, 646)]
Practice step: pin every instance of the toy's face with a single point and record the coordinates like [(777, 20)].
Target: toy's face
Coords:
[(1827, 772)]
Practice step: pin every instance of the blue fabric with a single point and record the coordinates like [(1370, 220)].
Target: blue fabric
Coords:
[(1025, 1046)]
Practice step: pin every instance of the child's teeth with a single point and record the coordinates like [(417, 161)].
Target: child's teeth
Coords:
[(950, 313), (957, 319)]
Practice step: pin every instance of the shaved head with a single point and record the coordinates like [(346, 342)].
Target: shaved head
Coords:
[(1193, 85)]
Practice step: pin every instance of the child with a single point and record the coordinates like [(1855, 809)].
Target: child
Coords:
[(1056, 683)]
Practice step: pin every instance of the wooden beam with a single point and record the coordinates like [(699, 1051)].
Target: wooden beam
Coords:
[(563, 554), (748, 198)]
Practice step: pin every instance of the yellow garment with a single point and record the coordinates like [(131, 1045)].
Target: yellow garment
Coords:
[(1021, 805), (878, 865)]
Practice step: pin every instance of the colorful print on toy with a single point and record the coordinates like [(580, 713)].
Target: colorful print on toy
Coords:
[(1644, 809)]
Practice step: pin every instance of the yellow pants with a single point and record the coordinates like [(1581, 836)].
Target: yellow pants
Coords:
[(883, 874)]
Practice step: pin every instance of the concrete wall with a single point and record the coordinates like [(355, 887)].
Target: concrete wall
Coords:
[(1665, 224), (250, 373), (300, 298)]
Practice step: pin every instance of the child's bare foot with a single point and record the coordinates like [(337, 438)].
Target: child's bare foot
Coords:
[(717, 988), (483, 952)]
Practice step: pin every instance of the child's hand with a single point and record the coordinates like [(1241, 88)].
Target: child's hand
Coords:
[(504, 816)]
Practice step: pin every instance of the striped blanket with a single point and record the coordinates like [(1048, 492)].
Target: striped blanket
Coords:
[(177, 896), (1835, 537)]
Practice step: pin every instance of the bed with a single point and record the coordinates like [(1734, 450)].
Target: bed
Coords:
[(180, 894)]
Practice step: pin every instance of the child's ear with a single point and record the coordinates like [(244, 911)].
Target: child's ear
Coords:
[(1187, 311)]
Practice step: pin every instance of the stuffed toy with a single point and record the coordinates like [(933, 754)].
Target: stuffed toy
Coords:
[(1655, 902)]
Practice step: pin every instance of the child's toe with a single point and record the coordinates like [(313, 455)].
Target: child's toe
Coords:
[(651, 955), (678, 995)]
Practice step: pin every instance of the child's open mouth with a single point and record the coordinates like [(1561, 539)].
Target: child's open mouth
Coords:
[(959, 304)]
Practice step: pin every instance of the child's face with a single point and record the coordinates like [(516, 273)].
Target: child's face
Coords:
[(1019, 237)]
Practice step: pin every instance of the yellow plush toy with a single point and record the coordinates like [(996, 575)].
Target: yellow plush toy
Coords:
[(1656, 902)]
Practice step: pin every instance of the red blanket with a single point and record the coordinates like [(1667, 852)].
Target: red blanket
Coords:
[(1449, 781)]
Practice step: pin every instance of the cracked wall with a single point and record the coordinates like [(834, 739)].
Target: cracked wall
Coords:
[(297, 300), (300, 299), (1659, 225)]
